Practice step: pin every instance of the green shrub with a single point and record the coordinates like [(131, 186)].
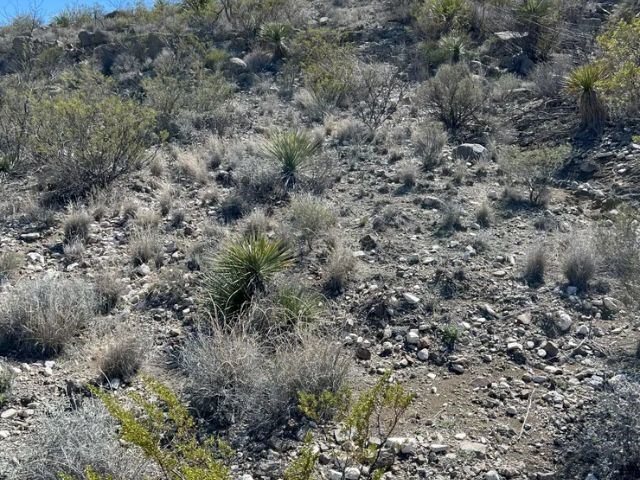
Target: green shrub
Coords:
[(291, 151), (434, 18), (15, 120), (621, 59), (535, 169), (539, 20), (82, 144), (40, 317), (327, 66), (454, 96), (166, 433), (375, 414), (242, 270)]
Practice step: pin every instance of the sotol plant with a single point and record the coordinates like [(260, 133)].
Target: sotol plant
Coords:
[(291, 150), (242, 270), (276, 34)]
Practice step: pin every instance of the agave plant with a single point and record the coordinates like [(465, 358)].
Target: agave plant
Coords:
[(584, 81), (276, 34), (291, 150), (242, 270)]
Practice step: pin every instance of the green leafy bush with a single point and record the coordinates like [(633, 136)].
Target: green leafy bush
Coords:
[(375, 414), (434, 18), (166, 433), (327, 66), (621, 60), (83, 143)]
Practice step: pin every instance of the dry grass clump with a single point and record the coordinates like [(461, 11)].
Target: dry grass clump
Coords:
[(9, 263), (42, 316), (579, 264), (146, 246), (147, 220), (340, 266), (450, 218), (193, 166), (67, 441), (429, 139), (76, 226), (311, 218), (535, 266), (256, 223), (484, 216), (235, 379), (122, 359), (108, 290)]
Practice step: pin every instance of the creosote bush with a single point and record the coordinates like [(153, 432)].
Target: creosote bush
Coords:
[(40, 317), (455, 97), (182, 455), (82, 143), (375, 414), (242, 270)]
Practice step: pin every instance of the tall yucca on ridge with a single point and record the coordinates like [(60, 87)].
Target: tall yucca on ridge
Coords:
[(584, 82)]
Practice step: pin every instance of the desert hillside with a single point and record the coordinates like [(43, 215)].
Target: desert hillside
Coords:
[(329, 239)]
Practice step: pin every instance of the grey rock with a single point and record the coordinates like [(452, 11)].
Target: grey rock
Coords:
[(470, 152)]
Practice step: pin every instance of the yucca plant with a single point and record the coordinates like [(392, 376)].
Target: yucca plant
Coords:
[(276, 34), (454, 46), (584, 81), (291, 150), (242, 270)]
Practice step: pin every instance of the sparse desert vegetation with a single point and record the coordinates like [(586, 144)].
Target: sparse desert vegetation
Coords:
[(293, 240)]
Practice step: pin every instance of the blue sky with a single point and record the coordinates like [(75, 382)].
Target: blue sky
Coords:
[(48, 8)]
